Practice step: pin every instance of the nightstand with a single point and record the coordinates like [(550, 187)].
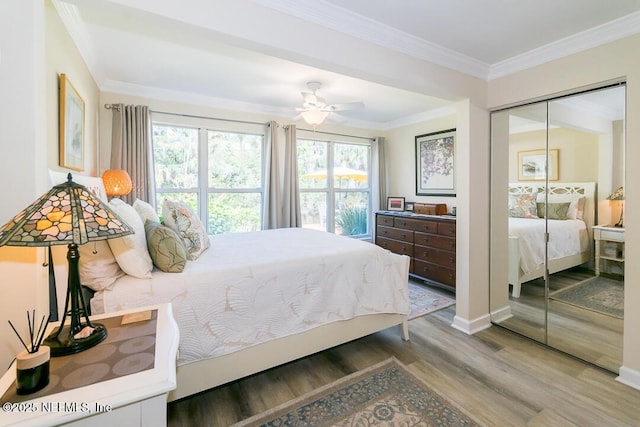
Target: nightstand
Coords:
[(609, 245), (124, 380)]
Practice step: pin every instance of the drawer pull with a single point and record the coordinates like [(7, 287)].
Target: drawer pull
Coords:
[(452, 260)]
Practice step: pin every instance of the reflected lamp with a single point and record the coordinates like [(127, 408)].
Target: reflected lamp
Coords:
[(69, 214), (117, 182), (618, 196)]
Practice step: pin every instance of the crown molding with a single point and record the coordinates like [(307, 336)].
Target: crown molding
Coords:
[(345, 21), (331, 16), (71, 19), (611, 31)]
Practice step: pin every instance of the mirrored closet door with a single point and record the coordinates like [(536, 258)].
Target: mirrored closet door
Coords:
[(557, 237)]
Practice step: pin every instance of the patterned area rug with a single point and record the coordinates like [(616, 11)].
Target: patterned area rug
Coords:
[(386, 394), (599, 294), (424, 301)]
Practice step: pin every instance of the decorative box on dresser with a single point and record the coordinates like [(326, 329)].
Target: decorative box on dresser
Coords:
[(429, 240)]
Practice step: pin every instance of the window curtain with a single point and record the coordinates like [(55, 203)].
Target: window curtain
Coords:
[(379, 171), (131, 149), (291, 215), (271, 210)]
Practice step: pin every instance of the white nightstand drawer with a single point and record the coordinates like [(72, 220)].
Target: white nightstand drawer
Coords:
[(615, 236)]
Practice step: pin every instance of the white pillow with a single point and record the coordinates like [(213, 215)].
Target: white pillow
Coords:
[(576, 203), (131, 251), (98, 271), (180, 218), (146, 211)]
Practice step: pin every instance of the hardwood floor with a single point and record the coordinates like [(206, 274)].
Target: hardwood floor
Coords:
[(500, 377)]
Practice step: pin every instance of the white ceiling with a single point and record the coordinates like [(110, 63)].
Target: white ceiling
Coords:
[(131, 50)]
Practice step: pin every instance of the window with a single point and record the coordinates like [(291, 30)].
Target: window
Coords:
[(335, 186), (216, 172)]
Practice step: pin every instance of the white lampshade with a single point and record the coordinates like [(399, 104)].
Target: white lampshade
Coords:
[(314, 117)]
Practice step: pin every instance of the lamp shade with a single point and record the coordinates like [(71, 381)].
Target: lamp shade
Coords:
[(117, 182), (68, 213), (314, 117), (617, 195)]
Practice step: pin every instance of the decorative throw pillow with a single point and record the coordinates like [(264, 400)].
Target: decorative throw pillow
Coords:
[(146, 211), (554, 211), (522, 206), (131, 251), (178, 216), (165, 247), (100, 270), (576, 206)]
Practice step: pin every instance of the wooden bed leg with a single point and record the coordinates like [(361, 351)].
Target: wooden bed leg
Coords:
[(405, 329)]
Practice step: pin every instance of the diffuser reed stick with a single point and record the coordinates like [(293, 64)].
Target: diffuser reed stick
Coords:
[(35, 337)]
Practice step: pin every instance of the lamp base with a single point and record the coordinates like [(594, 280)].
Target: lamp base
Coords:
[(62, 342)]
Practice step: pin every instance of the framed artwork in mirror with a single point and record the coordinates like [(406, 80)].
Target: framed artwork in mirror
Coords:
[(71, 126), (532, 165), (436, 164)]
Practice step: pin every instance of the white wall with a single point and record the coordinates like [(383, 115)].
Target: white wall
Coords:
[(401, 158), (34, 48), (614, 61)]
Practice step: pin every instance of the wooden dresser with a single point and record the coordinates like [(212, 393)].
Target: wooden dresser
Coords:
[(429, 240)]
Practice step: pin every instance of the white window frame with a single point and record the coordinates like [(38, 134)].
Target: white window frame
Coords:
[(331, 190), (204, 126)]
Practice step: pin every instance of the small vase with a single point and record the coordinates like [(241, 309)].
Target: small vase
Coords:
[(32, 370)]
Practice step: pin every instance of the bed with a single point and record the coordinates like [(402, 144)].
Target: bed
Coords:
[(255, 300), (252, 301), (569, 238)]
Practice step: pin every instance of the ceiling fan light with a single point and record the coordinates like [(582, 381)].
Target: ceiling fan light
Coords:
[(314, 117)]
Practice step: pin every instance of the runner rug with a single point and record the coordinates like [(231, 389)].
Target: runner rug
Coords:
[(598, 294), (424, 301), (386, 394)]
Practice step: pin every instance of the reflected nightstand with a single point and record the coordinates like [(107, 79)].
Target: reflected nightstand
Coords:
[(609, 242)]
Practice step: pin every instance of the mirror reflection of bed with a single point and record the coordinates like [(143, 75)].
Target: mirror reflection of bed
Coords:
[(573, 310)]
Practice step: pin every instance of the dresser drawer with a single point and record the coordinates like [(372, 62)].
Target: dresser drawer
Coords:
[(426, 226), (395, 233), (384, 220), (435, 256), (447, 228), (435, 272), (396, 246), (435, 241)]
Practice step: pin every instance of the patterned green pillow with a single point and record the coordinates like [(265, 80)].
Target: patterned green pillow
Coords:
[(165, 247), (554, 211)]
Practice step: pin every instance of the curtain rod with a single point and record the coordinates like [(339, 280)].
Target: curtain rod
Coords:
[(193, 116), (336, 134)]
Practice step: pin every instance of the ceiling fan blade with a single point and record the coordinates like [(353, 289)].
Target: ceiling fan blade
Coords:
[(336, 118), (346, 106)]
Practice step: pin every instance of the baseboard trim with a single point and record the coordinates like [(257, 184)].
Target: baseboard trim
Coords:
[(471, 327), (629, 377), (501, 314)]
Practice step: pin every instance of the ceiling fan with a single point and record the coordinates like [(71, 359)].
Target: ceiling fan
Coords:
[(315, 109)]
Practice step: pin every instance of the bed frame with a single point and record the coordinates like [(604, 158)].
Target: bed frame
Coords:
[(516, 276), (205, 374)]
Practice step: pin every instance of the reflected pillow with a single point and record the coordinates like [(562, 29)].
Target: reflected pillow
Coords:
[(554, 211), (522, 206), (576, 207), (178, 216), (165, 247)]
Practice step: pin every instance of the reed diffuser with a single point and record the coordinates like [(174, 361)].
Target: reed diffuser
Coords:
[(32, 365)]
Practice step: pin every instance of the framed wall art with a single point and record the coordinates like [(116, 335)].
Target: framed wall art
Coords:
[(71, 126), (436, 164), (532, 165), (395, 203)]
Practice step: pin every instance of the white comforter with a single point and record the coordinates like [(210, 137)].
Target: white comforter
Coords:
[(249, 288), (566, 237)]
